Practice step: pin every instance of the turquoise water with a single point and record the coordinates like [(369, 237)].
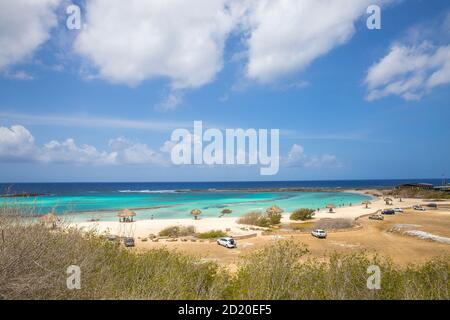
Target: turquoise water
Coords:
[(172, 205)]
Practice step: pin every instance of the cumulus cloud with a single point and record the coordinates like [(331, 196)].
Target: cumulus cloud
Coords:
[(409, 71), (24, 26), (68, 152), (131, 41), (17, 144), (286, 36), (129, 152), (297, 158)]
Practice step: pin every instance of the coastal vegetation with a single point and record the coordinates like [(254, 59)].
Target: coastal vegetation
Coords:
[(302, 214), (177, 231), (419, 194), (213, 234), (271, 217), (34, 260), (254, 218)]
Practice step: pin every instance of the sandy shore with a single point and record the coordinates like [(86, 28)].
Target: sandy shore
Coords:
[(142, 228)]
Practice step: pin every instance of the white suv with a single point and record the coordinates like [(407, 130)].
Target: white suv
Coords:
[(227, 242), (319, 233)]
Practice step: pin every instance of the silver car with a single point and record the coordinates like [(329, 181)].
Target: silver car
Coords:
[(319, 233), (227, 242)]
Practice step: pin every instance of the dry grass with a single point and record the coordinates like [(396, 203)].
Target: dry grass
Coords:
[(334, 224), (34, 259)]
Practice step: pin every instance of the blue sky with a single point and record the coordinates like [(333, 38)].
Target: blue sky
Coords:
[(357, 103)]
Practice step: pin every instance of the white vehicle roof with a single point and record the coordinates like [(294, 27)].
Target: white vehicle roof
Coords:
[(227, 238), (319, 230)]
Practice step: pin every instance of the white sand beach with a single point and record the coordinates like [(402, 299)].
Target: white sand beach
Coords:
[(143, 228)]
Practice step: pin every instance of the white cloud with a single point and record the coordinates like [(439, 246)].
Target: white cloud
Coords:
[(68, 152), (286, 36), (128, 152), (24, 26), (297, 158), (17, 144), (409, 71), (131, 41)]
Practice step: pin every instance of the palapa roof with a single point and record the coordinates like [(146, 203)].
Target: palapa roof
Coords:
[(196, 211), (366, 202), (126, 213), (274, 209)]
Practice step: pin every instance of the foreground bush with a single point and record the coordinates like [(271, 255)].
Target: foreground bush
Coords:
[(302, 214), (282, 271), (34, 259)]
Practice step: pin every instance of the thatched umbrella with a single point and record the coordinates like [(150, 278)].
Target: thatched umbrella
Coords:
[(50, 218), (126, 213), (225, 211), (331, 206), (274, 209), (388, 200), (196, 213), (366, 202)]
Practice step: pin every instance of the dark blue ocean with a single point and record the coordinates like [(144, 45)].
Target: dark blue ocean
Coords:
[(113, 187)]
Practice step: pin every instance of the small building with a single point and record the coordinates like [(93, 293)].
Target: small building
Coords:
[(416, 186), (445, 188)]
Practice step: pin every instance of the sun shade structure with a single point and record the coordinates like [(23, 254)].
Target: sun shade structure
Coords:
[(196, 213), (126, 213), (274, 209), (388, 200), (331, 206), (224, 212), (126, 225), (366, 202)]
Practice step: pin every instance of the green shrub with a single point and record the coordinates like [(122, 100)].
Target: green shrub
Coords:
[(302, 214), (211, 234), (274, 218), (177, 231), (255, 218)]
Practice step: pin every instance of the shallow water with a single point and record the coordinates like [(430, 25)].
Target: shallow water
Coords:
[(171, 205)]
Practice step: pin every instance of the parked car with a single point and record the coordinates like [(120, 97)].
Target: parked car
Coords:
[(227, 242), (319, 233), (388, 211), (128, 242), (398, 210), (376, 216), (419, 208)]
